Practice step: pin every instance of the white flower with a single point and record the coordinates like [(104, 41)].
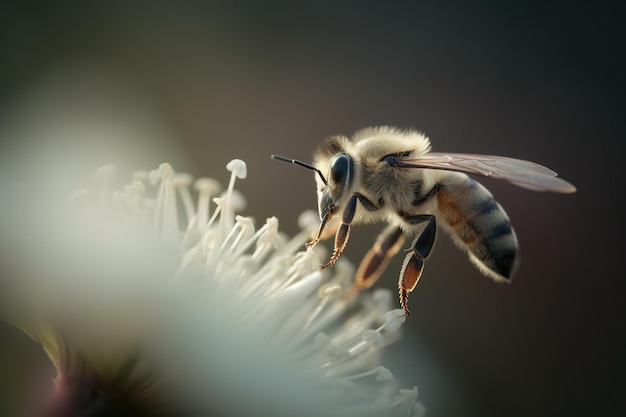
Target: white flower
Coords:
[(149, 303)]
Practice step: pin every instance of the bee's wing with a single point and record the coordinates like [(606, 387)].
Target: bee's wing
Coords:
[(522, 173)]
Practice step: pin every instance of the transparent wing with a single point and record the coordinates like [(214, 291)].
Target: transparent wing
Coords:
[(522, 173)]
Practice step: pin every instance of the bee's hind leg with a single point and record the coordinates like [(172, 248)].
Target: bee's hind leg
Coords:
[(413, 264), (376, 260)]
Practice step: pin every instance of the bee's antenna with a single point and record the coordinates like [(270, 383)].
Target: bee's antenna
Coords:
[(302, 164)]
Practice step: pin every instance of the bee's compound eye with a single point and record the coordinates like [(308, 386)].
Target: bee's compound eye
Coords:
[(339, 169)]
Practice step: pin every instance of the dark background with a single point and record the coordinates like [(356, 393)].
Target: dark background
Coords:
[(542, 81)]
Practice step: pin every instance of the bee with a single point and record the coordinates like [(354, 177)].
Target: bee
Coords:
[(388, 174)]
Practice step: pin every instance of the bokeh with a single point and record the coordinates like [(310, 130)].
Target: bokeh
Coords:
[(198, 84)]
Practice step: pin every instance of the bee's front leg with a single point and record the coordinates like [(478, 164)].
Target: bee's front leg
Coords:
[(343, 231), (320, 232)]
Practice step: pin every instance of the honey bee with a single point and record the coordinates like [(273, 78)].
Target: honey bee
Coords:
[(388, 174)]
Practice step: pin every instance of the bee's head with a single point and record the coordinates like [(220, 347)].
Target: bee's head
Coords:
[(332, 192)]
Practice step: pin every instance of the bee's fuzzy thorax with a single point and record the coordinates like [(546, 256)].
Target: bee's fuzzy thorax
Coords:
[(395, 140)]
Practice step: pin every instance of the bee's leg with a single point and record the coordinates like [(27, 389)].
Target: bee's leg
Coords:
[(320, 232), (343, 231), (414, 262), (376, 260), (328, 232)]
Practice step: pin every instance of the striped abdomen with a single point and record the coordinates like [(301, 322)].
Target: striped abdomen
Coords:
[(480, 225)]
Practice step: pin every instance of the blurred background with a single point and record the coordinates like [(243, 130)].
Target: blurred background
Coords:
[(200, 83)]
